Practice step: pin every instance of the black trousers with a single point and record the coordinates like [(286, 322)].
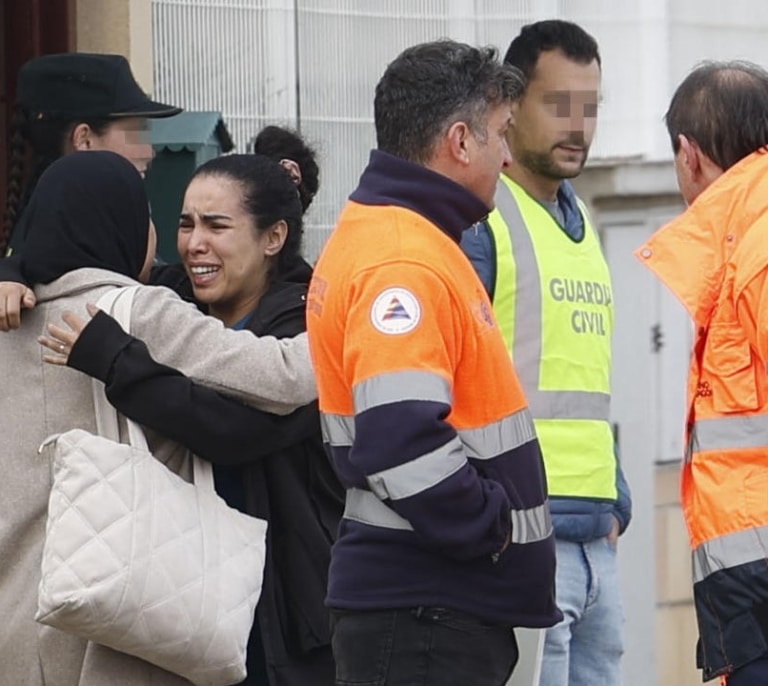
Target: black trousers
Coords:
[(425, 646), (753, 674)]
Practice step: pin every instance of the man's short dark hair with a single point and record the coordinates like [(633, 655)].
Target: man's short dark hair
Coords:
[(553, 34), (723, 108), (431, 86)]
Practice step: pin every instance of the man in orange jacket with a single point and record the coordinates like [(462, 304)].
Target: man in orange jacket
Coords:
[(446, 542), (714, 257)]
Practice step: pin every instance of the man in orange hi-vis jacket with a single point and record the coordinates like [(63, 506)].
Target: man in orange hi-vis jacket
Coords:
[(714, 257), (446, 542)]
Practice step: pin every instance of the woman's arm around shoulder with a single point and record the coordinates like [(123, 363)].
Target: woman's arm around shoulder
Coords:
[(217, 428), (272, 374)]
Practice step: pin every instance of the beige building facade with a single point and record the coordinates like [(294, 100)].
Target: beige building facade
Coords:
[(122, 27)]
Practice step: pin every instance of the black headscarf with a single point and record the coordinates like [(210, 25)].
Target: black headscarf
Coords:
[(89, 209)]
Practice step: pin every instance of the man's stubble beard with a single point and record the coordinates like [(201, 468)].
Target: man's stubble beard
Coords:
[(544, 165)]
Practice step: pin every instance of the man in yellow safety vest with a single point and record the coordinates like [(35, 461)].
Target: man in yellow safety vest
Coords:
[(540, 259)]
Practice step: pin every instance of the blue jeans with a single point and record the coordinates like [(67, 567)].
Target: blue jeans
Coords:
[(585, 648), (425, 646)]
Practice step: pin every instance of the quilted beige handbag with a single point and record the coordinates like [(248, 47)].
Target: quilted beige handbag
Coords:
[(140, 560)]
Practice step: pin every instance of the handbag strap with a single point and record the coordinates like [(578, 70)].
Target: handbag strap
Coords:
[(118, 303)]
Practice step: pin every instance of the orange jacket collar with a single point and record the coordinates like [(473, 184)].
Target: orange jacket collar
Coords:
[(689, 254)]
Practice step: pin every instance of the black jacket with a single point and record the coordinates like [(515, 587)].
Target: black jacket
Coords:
[(286, 475)]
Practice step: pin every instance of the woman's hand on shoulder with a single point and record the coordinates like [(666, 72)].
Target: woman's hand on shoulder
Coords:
[(13, 298), (60, 340)]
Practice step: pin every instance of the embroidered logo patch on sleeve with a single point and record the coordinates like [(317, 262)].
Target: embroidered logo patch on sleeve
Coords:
[(396, 311)]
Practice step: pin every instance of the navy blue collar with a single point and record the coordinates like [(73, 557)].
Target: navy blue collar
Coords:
[(390, 180)]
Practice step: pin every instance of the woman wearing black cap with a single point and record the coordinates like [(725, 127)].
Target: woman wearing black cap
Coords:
[(70, 102)]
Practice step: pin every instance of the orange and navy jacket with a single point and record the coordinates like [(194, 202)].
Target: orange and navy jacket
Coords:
[(426, 421), (714, 257)]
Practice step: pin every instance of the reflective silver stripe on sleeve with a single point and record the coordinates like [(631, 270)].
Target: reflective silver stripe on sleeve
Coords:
[(528, 526), (338, 429), (494, 439), (364, 506), (419, 474), (527, 349), (398, 386), (729, 551), (531, 525), (587, 405), (724, 433)]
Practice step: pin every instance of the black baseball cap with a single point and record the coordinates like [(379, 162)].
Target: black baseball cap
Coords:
[(75, 85)]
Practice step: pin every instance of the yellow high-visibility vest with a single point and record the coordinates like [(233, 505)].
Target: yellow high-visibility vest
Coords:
[(554, 304)]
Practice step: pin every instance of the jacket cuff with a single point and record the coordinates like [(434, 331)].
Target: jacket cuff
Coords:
[(97, 346), (622, 516), (11, 270)]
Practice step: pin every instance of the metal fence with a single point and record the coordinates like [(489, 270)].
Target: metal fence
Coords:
[(313, 65)]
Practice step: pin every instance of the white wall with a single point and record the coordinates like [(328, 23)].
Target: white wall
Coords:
[(648, 407)]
